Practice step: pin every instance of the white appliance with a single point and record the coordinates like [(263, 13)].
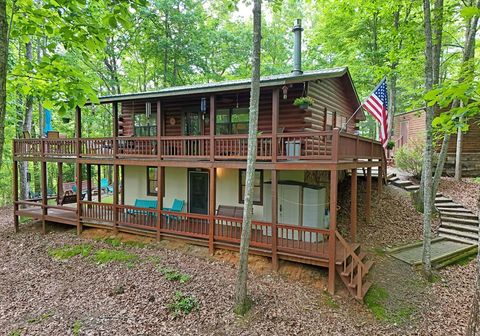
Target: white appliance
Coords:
[(298, 204)]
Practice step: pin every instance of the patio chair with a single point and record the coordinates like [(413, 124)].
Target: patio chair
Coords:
[(105, 185), (177, 206), (143, 203)]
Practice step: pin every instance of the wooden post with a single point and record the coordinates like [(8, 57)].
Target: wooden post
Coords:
[(353, 206), (59, 181), (15, 195), (78, 129), (115, 198), (159, 129), (335, 144), (332, 238), (99, 183), (275, 113), (89, 182), (274, 179), (369, 194), (211, 211), (160, 182), (212, 128), (43, 180), (380, 181), (115, 129), (78, 172), (122, 189)]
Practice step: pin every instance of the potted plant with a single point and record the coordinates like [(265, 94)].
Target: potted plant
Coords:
[(390, 144), (303, 102)]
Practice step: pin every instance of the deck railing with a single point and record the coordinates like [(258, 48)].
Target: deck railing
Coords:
[(96, 212), (302, 240), (325, 145), (229, 229)]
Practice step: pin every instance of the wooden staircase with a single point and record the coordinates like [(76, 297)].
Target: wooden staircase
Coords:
[(353, 267)]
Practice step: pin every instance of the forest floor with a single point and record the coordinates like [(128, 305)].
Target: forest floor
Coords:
[(61, 284)]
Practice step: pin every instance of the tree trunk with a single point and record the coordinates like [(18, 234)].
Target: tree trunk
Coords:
[(458, 155), (26, 127), (242, 302), (3, 73), (427, 162)]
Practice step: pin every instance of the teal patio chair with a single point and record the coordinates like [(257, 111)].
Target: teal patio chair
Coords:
[(177, 206), (104, 185), (143, 203)]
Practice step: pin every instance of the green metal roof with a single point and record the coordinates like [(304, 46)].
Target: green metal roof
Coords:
[(230, 85)]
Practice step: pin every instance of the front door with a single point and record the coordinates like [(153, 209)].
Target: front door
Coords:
[(198, 191), (404, 132)]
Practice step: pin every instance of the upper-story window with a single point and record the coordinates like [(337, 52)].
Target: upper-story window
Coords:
[(231, 121), (329, 120), (341, 121), (145, 124)]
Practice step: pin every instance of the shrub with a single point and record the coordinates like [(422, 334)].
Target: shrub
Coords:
[(182, 304), (173, 275), (410, 158)]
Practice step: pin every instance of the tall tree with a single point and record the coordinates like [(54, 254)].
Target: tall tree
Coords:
[(242, 301), (3, 73), (427, 160)]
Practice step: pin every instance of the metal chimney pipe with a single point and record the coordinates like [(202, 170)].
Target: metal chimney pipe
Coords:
[(297, 47)]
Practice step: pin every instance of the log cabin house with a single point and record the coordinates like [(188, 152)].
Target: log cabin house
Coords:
[(410, 127), (178, 157)]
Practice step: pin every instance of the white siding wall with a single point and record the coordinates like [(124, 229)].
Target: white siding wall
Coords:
[(176, 186)]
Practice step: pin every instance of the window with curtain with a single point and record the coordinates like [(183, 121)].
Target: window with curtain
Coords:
[(257, 188), (144, 125)]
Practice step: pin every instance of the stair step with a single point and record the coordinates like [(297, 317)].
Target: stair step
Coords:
[(460, 220), (355, 248), (393, 179), (453, 213), (403, 183), (365, 287), (391, 175), (461, 234), (443, 200), (368, 265), (459, 239), (448, 205), (353, 264), (454, 210), (457, 226), (412, 187)]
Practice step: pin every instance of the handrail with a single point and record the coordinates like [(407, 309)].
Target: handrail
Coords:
[(303, 228), (349, 249)]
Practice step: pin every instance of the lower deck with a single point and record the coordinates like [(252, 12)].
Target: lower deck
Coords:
[(300, 244)]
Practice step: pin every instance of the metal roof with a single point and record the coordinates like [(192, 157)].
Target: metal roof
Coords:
[(229, 85)]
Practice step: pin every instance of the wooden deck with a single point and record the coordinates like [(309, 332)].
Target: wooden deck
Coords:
[(301, 244), (319, 146)]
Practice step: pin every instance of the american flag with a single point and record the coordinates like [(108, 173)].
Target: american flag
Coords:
[(377, 106)]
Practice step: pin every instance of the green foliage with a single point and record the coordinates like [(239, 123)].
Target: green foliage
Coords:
[(390, 144), (76, 328), (16, 332), (173, 275), (182, 304), (375, 300), (67, 251), (410, 158), (104, 256), (40, 318), (330, 302), (303, 101)]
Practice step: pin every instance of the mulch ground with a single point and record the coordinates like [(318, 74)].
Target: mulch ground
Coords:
[(465, 192), (43, 296)]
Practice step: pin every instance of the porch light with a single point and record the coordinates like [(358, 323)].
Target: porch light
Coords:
[(203, 105), (285, 91), (220, 172)]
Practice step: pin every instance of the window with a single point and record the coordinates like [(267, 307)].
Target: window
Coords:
[(231, 121), (329, 120), (145, 125), (152, 181), (257, 187), (341, 121)]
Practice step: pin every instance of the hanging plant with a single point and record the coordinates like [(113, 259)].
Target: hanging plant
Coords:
[(390, 144), (303, 102)]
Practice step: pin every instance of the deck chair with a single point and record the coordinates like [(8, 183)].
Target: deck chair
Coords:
[(69, 198), (177, 206), (105, 185), (143, 203)]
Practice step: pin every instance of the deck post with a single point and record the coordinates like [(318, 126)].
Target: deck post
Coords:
[(332, 239), (99, 183), (369, 194), (122, 189), (43, 180), (160, 183), (380, 180), (159, 129), (212, 128), (353, 206), (211, 211), (78, 129), (115, 198), (78, 172), (89, 182), (15, 195), (59, 181), (275, 113), (115, 128), (274, 196)]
